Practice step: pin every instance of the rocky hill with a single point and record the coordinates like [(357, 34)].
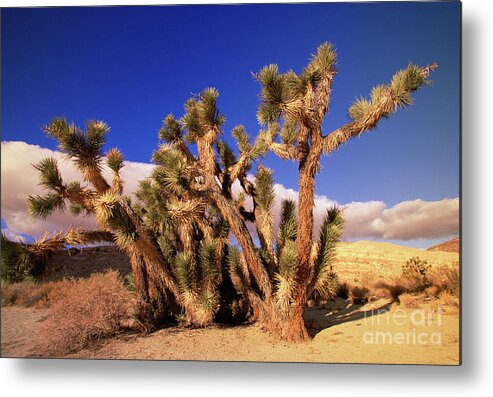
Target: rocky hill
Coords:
[(83, 262), (385, 259), (448, 246)]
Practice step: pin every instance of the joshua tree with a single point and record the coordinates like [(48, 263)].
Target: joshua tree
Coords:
[(156, 284), (176, 236), (265, 275), (300, 102)]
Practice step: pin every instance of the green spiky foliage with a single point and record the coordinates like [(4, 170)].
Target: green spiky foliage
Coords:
[(202, 115), (324, 282), (197, 190), (263, 204), (286, 277), (189, 187), (288, 226)]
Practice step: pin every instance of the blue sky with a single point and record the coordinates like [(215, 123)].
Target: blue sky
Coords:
[(130, 66)]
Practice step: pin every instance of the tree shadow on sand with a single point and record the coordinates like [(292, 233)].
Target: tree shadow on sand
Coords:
[(341, 311)]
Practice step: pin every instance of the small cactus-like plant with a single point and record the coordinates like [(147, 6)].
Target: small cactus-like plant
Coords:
[(416, 271)]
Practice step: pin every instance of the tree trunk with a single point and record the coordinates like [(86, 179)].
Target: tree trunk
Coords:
[(244, 238), (144, 307), (155, 291), (294, 329)]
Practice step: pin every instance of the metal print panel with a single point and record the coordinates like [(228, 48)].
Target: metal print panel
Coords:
[(268, 182)]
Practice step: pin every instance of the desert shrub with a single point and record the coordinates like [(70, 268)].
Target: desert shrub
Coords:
[(26, 294), (415, 273), (358, 294), (448, 299), (416, 277), (410, 300), (379, 291), (91, 309), (446, 278), (391, 289), (433, 291)]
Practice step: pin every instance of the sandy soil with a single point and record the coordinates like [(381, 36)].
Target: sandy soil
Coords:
[(19, 327), (341, 333), (351, 334)]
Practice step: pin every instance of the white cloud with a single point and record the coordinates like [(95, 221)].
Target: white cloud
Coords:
[(407, 220), (19, 180)]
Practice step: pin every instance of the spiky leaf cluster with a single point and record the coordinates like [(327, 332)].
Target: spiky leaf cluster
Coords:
[(49, 174), (172, 172), (114, 159), (387, 98), (264, 185), (17, 263), (83, 146), (324, 279), (282, 94), (227, 156), (288, 226), (44, 206), (171, 130), (202, 115)]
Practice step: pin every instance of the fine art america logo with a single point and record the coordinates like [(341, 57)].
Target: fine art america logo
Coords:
[(418, 327)]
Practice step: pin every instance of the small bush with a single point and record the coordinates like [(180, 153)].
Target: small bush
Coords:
[(415, 273), (89, 310), (358, 294), (433, 291), (391, 290), (448, 299), (377, 292), (446, 278), (410, 300)]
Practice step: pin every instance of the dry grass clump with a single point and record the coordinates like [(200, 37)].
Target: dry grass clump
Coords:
[(448, 299), (410, 300), (26, 294), (91, 309)]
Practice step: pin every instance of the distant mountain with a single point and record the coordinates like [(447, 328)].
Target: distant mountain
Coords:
[(447, 246)]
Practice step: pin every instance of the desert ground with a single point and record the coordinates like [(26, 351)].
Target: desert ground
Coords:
[(376, 332)]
